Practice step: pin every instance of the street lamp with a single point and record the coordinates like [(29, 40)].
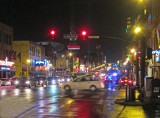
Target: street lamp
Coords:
[(63, 64), (70, 54), (137, 30), (70, 64), (28, 62), (132, 51)]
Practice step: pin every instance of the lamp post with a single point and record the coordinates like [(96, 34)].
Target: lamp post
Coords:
[(28, 62), (63, 64), (142, 52), (70, 64), (132, 51)]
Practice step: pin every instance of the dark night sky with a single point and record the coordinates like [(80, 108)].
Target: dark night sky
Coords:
[(32, 19)]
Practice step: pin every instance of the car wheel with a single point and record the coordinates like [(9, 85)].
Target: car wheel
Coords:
[(42, 85), (93, 88), (67, 88)]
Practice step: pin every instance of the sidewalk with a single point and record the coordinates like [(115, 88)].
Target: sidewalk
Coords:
[(122, 100)]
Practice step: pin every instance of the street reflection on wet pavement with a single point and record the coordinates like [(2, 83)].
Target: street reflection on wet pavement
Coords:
[(52, 101)]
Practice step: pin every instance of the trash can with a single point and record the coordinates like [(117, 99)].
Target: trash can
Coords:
[(130, 93)]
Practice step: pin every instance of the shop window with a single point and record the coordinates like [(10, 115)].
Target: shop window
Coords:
[(4, 74)]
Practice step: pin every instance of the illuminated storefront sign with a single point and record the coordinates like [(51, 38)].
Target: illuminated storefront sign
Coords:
[(76, 47), (156, 53), (6, 63), (40, 62), (5, 68)]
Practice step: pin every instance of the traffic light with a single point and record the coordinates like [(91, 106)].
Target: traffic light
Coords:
[(128, 24), (52, 32), (84, 34)]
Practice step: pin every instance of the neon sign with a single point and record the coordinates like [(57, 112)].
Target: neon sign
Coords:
[(40, 62), (6, 62), (157, 53), (76, 47), (5, 68)]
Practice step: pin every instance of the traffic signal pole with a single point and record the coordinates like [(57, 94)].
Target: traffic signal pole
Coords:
[(142, 61)]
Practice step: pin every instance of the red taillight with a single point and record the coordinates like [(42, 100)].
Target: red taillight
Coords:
[(130, 81), (121, 81), (125, 80)]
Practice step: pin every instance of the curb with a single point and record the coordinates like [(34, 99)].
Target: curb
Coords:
[(128, 103)]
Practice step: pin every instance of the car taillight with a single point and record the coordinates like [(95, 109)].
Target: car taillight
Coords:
[(130, 81), (121, 81), (126, 80)]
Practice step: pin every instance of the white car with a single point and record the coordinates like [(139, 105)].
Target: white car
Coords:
[(84, 82)]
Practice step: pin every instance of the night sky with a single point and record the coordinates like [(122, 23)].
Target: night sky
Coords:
[(33, 19)]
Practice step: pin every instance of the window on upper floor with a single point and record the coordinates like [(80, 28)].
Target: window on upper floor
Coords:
[(0, 36)]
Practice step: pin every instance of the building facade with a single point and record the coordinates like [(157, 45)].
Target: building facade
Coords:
[(31, 60), (7, 68), (154, 41)]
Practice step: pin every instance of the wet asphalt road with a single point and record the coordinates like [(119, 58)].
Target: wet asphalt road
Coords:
[(49, 102)]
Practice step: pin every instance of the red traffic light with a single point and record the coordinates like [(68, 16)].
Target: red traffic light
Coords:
[(52, 32), (84, 33)]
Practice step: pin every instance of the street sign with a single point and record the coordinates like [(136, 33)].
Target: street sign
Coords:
[(68, 36), (71, 47), (93, 37)]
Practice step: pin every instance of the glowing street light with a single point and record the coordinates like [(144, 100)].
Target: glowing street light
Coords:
[(137, 29), (70, 54), (28, 61), (132, 51)]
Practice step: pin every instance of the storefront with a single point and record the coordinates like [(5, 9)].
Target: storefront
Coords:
[(7, 69)]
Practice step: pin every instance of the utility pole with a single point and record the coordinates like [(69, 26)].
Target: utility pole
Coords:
[(142, 60)]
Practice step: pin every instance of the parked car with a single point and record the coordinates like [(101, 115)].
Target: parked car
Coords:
[(124, 82), (5, 82), (25, 82), (13, 79), (42, 81), (84, 82)]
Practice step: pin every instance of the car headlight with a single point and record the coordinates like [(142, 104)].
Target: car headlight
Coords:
[(41, 81), (59, 80), (16, 82), (8, 82), (62, 80), (27, 82), (68, 80), (53, 82)]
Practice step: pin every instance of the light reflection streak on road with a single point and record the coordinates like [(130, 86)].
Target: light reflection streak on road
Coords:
[(16, 92), (53, 108), (3, 92), (28, 94), (111, 86)]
